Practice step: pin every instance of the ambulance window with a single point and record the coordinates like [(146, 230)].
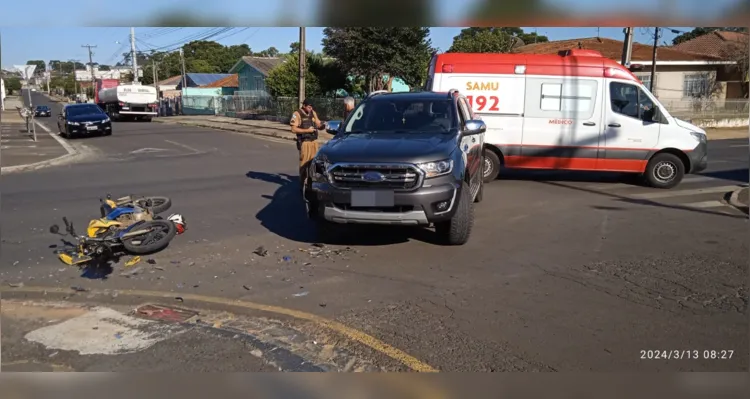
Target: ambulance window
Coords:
[(623, 98), (551, 97)]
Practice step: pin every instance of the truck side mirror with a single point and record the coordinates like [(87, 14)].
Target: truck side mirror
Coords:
[(332, 127)]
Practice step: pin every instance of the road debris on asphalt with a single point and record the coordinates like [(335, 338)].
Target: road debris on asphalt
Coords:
[(303, 293), (261, 251), (150, 261), (79, 289), (131, 273), (15, 285), (133, 261)]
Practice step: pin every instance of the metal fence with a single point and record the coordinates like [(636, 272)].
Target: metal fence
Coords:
[(250, 107), (279, 108), (708, 108)]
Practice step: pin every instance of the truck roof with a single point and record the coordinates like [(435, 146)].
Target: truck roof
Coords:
[(574, 62)]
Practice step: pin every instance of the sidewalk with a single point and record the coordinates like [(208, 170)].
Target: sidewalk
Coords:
[(280, 130), (739, 199), (255, 127), (19, 149)]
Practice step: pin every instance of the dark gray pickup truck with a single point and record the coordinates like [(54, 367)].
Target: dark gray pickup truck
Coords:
[(401, 159)]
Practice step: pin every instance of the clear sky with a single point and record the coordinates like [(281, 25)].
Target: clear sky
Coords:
[(65, 43)]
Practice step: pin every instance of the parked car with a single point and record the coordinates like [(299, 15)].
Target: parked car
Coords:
[(42, 110), (83, 120), (401, 159)]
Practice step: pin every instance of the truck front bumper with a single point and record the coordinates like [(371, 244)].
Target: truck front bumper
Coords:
[(424, 206)]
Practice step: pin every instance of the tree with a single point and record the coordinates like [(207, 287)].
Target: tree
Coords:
[(270, 52), (41, 66), (12, 84), (283, 80), (380, 54), (294, 48), (493, 40), (740, 53), (700, 31)]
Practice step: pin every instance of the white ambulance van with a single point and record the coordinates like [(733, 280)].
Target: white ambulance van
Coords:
[(575, 111)]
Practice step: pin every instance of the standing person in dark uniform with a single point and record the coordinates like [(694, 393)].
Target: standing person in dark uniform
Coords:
[(305, 124)]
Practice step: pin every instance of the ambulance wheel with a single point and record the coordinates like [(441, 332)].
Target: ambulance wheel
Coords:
[(490, 166), (664, 171)]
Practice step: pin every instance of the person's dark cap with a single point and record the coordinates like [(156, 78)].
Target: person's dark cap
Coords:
[(306, 102)]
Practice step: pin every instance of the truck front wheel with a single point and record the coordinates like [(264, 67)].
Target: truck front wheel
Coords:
[(457, 230)]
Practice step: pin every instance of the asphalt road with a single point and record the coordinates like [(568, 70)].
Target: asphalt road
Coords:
[(564, 271)]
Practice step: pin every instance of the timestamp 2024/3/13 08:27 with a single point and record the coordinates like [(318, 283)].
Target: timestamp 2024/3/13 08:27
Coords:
[(687, 354)]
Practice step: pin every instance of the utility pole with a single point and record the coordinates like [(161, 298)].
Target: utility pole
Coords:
[(302, 56), (183, 95), (627, 47), (156, 77), (133, 56), (91, 66), (653, 62)]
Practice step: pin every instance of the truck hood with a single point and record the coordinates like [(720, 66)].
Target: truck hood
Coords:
[(389, 147), (689, 126)]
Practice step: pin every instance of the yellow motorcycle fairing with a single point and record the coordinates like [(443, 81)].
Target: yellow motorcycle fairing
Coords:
[(73, 259), (98, 226), (111, 204)]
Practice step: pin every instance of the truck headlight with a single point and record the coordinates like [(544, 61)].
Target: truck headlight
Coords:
[(319, 169), (437, 168), (699, 136), (73, 123), (105, 120)]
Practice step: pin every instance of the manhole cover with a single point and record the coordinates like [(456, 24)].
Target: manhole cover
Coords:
[(163, 313)]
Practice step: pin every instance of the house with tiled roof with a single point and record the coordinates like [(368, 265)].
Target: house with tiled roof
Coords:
[(726, 45), (681, 77), (252, 73)]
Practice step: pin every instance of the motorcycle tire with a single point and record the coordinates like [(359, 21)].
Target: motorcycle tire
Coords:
[(158, 204), (168, 233)]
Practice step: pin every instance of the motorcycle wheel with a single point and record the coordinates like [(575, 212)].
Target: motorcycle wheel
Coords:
[(157, 204), (161, 233)]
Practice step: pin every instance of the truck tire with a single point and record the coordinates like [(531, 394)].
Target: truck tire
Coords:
[(457, 230), (664, 171), (490, 166)]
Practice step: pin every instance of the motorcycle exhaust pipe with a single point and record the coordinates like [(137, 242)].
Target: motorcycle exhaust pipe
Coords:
[(135, 233)]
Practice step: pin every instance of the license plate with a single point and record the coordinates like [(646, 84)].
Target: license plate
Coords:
[(379, 198), (92, 128)]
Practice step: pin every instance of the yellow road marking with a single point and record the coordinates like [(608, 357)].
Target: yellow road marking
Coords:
[(351, 333)]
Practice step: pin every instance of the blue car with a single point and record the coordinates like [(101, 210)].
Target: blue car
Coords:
[(42, 110)]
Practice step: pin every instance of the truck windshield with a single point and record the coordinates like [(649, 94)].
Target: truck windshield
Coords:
[(84, 110), (403, 116)]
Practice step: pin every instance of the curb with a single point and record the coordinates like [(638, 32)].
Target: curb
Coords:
[(734, 201), (72, 152), (186, 299), (235, 130)]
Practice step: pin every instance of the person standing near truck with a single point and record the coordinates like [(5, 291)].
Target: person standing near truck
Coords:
[(348, 107), (305, 125)]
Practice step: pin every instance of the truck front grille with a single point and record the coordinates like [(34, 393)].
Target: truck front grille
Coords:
[(394, 176)]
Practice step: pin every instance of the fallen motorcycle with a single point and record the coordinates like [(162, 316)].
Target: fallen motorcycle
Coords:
[(153, 203), (108, 240), (129, 214)]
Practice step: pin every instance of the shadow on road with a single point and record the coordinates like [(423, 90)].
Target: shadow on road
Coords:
[(570, 176), (285, 215), (741, 175), (645, 202)]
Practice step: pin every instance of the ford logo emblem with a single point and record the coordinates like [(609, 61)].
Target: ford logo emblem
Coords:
[(373, 177)]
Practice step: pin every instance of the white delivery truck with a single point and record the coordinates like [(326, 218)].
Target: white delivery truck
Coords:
[(575, 111), (128, 102)]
